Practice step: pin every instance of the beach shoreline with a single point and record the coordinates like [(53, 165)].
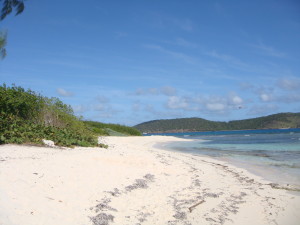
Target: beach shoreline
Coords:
[(282, 179), (134, 182)]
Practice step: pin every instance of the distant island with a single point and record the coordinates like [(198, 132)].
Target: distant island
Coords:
[(275, 121)]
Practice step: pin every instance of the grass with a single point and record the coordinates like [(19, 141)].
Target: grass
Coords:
[(112, 129)]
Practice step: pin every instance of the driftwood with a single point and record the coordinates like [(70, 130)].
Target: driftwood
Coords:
[(193, 206)]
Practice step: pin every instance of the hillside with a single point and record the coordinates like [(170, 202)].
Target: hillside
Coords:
[(280, 120), (111, 129)]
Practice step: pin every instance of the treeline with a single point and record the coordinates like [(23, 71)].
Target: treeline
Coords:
[(275, 121), (28, 117), (281, 120)]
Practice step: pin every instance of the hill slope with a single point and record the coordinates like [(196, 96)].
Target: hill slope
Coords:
[(111, 129), (280, 120)]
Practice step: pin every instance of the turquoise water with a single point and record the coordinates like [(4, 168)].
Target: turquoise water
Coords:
[(272, 154)]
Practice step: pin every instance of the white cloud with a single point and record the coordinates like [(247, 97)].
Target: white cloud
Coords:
[(256, 89), (159, 113), (140, 91), (289, 84), (103, 107), (264, 93), (207, 104), (62, 92), (237, 100), (265, 97), (153, 91), (234, 99), (168, 90), (175, 102), (215, 106), (147, 91), (283, 98), (290, 98), (275, 95)]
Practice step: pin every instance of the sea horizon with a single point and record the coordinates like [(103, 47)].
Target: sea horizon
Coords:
[(195, 133)]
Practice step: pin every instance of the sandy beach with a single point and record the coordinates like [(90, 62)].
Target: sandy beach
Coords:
[(132, 183)]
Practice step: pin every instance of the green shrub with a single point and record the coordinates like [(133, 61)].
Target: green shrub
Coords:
[(27, 117), (18, 102), (104, 128)]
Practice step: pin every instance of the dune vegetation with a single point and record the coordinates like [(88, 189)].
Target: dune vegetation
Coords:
[(112, 129), (27, 117)]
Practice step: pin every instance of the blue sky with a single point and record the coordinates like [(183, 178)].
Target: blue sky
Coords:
[(129, 61)]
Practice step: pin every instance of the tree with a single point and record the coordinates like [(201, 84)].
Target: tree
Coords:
[(9, 5)]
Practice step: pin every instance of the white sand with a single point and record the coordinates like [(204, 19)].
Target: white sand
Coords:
[(133, 183)]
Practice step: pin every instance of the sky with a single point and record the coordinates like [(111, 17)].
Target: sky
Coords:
[(132, 61)]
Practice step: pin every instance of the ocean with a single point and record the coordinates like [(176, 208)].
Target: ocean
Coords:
[(273, 154)]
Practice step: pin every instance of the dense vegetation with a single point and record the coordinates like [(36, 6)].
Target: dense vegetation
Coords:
[(111, 129), (281, 120), (27, 117)]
